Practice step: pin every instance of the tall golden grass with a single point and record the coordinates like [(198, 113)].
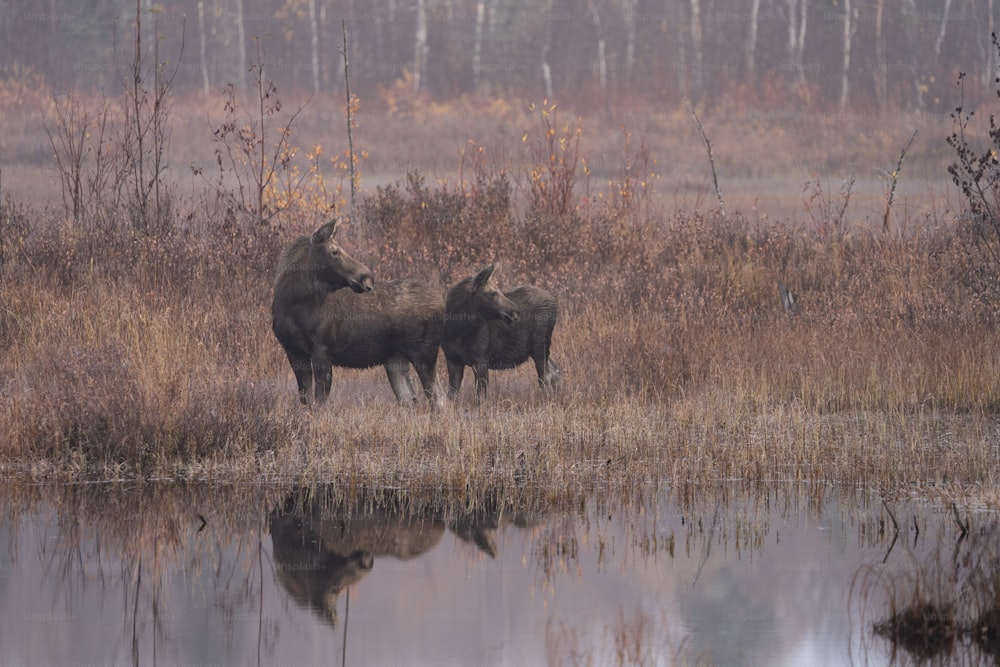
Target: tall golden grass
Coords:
[(136, 357)]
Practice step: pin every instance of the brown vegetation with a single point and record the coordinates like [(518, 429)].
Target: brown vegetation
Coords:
[(140, 356), (139, 345)]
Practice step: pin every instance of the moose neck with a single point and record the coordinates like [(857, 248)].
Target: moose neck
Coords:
[(461, 315), (306, 289), (462, 323)]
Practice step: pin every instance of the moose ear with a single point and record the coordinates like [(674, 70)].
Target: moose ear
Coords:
[(483, 277), (324, 233)]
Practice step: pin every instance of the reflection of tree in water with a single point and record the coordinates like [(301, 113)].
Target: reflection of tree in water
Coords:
[(128, 543), (938, 602), (323, 544)]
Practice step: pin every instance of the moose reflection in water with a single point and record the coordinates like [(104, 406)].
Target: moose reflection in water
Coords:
[(319, 551)]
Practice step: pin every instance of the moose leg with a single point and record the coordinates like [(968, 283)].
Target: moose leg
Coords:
[(540, 369), (398, 369), (482, 373), (455, 373), (302, 367), (552, 374), (428, 379), (548, 372), (322, 374)]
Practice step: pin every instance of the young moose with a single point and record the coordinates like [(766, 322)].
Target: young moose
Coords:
[(486, 329), (321, 325)]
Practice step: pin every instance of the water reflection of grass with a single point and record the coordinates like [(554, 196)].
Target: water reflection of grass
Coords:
[(938, 603), (636, 639), (148, 534)]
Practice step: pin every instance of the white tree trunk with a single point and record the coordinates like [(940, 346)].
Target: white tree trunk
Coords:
[(202, 49), (546, 69), (800, 46), (314, 34), (675, 17), (242, 45), (324, 39), (420, 47), (846, 67), (942, 29), (696, 46), (881, 74), (602, 63), (628, 8), (477, 43), (991, 51), (750, 53), (793, 31)]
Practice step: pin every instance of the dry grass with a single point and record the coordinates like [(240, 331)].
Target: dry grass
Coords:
[(135, 355), (135, 358), (936, 601)]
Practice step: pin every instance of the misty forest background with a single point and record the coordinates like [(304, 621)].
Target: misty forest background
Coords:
[(861, 55), (787, 88)]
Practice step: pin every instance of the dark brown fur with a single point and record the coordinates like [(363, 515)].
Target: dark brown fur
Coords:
[(488, 329), (398, 324)]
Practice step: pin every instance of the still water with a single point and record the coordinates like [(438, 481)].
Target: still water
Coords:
[(167, 575)]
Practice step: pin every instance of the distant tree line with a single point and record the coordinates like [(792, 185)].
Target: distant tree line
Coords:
[(862, 55)]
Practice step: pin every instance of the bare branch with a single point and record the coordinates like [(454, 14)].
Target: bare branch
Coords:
[(711, 160), (895, 177)]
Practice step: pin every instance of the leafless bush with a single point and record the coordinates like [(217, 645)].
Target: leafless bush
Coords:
[(976, 171), (248, 152), (90, 162), (552, 226), (450, 228), (144, 132), (828, 212)]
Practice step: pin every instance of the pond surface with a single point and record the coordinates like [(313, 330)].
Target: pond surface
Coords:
[(786, 576)]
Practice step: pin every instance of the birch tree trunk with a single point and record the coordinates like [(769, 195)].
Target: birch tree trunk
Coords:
[(546, 69), (750, 52), (942, 29), (846, 66), (881, 74), (602, 63), (202, 48), (913, 47), (696, 48), (800, 46), (991, 53), (675, 14), (420, 47), (314, 35), (628, 8), (241, 79), (477, 43), (793, 31), (324, 55)]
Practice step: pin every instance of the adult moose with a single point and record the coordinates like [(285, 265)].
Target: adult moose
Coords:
[(489, 329), (321, 325)]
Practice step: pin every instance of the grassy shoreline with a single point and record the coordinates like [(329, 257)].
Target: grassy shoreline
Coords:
[(155, 358)]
